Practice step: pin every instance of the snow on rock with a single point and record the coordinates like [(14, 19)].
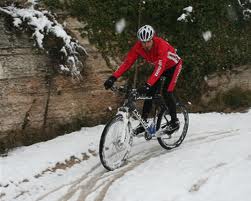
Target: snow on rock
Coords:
[(245, 6), (207, 35), (247, 13), (182, 17), (187, 15), (43, 24), (188, 9), (120, 25)]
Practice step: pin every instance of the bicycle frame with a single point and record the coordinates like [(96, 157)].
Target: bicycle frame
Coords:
[(130, 108), (117, 137)]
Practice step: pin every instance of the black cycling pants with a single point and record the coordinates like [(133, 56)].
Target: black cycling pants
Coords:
[(168, 96)]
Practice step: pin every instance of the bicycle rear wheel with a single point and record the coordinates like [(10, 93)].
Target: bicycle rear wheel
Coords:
[(115, 143), (173, 139)]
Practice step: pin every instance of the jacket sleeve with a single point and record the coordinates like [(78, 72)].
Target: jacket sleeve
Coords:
[(160, 65), (128, 62)]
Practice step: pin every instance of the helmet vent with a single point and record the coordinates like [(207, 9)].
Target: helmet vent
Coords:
[(145, 33)]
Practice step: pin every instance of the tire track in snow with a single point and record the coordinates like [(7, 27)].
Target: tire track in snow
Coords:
[(74, 183), (213, 137), (97, 181), (97, 174), (103, 180)]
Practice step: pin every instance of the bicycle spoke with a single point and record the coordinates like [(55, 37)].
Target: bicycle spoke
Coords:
[(173, 139), (116, 144)]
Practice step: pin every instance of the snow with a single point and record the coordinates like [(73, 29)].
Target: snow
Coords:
[(213, 163), (42, 23), (17, 22), (64, 68), (247, 13), (185, 16), (209, 177), (120, 25), (182, 17), (207, 35), (188, 9), (33, 1), (245, 9)]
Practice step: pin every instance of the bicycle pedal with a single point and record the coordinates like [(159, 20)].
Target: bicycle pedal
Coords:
[(148, 136)]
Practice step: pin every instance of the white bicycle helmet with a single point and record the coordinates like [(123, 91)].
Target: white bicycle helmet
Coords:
[(145, 33)]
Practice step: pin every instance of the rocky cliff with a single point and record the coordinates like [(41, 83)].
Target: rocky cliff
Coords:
[(37, 103), (221, 82), (227, 91)]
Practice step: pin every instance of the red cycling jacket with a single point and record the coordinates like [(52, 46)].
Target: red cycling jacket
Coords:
[(162, 55)]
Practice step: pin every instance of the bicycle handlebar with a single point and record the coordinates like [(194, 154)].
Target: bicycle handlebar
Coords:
[(118, 89), (133, 93)]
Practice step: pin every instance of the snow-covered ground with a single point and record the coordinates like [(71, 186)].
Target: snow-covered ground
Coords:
[(213, 164)]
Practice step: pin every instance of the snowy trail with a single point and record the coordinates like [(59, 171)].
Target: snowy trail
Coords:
[(216, 149), (155, 152), (98, 179), (213, 173), (100, 183), (94, 185)]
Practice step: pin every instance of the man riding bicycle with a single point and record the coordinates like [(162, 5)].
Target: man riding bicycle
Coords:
[(167, 63)]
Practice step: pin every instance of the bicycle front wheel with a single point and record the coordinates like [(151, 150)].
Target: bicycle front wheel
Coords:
[(173, 139), (115, 143)]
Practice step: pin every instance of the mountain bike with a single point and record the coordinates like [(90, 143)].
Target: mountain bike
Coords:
[(117, 137)]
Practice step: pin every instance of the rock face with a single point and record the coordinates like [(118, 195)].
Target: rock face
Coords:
[(36, 103), (216, 83)]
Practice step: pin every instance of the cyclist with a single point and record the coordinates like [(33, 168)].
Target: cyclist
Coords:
[(162, 55)]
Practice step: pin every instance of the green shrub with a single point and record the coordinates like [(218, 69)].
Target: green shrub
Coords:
[(52, 4), (228, 47)]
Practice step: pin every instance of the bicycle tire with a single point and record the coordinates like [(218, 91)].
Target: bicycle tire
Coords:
[(179, 135), (123, 149)]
